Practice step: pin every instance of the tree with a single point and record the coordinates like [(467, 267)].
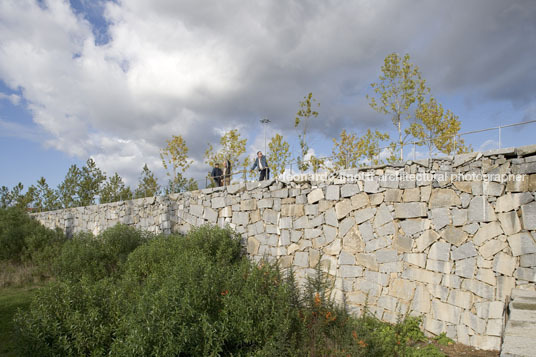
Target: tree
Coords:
[(175, 159), (91, 178), (369, 145), (398, 88), (345, 152), (46, 199), (68, 188), (114, 190), (15, 197), (278, 155), (316, 163), (147, 185), (304, 115), (437, 129), (231, 148)]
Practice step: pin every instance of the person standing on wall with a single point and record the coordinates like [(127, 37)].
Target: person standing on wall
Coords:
[(217, 174), (260, 163)]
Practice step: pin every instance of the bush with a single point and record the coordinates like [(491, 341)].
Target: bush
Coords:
[(97, 257), (194, 295), (23, 239)]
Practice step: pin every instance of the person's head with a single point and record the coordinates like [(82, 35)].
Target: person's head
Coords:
[(216, 165), (225, 163), (259, 154)]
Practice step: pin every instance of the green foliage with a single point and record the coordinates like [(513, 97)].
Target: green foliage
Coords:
[(148, 184), (94, 258), (304, 115), (11, 299), (23, 238), (278, 155), (175, 159), (400, 86), (196, 295), (46, 198), (114, 190), (68, 189), (437, 129), (443, 339), (15, 197)]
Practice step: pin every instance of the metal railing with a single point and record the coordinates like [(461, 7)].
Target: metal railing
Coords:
[(382, 150)]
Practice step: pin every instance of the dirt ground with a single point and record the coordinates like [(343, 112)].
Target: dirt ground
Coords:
[(457, 349)]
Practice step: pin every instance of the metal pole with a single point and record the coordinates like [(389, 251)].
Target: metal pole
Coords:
[(499, 136), (264, 122)]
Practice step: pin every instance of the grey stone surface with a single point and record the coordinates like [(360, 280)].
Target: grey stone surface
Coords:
[(466, 250), (522, 243), (480, 210), (528, 216), (410, 210), (454, 235), (439, 251), (332, 193), (444, 198)]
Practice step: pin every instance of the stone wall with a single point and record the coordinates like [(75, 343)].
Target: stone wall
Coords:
[(445, 238)]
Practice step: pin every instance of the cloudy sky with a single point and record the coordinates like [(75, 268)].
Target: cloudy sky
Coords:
[(112, 80)]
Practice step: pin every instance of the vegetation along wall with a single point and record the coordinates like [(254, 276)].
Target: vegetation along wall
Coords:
[(447, 238)]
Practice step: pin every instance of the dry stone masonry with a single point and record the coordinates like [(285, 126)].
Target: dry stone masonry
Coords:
[(446, 238)]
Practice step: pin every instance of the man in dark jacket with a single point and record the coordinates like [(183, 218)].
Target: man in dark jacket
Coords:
[(260, 163), (217, 174)]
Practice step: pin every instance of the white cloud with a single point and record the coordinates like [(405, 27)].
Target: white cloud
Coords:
[(181, 68)]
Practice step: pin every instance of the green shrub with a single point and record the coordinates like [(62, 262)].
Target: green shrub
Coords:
[(23, 239), (97, 257), (195, 295)]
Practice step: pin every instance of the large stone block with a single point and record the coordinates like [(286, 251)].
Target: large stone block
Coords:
[(363, 215), (410, 210), (367, 260), (440, 217), (414, 225), (412, 195), (487, 231), (421, 300), (504, 203), (426, 239), (528, 260), (526, 274), (491, 247), (509, 222), (383, 216), (421, 275), (466, 250), (342, 208), (454, 235), (465, 268), (393, 195), (478, 288), (402, 289), (439, 266), (386, 256), (248, 205), (332, 193), (522, 243), (315, 195), (253, 246), (360, 200), (480, 210), (445, 312), (462, 299), (349, 190), (444, 197), (528, 216), (504, 264), (293, 210), (301, 259), (439, 251), (350, 271)]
